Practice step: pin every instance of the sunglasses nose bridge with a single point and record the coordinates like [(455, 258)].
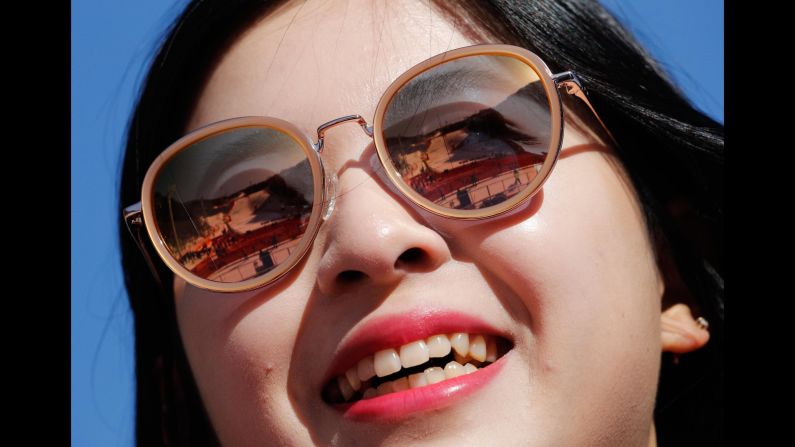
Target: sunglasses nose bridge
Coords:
[(321, 130)]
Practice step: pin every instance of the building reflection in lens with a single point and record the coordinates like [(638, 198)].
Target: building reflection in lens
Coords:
[(470, 133), (474, 162)]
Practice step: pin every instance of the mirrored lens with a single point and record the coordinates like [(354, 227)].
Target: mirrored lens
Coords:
[(234, 206), (470, 133)]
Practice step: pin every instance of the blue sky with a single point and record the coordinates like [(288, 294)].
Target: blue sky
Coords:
[(111, 43)]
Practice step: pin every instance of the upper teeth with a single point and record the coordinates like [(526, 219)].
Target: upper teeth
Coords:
[(389, 361)]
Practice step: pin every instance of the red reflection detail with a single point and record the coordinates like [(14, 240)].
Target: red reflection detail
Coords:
[(231, 247), (435, 185)]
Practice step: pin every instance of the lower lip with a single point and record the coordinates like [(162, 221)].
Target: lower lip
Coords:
[(395, 406)]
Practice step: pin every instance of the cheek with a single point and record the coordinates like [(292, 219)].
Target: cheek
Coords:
[(587, 280), (239, 349)]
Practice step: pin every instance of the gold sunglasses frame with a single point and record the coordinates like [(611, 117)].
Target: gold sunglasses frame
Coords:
[(141, 215)]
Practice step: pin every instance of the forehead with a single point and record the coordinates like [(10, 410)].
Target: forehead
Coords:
[(310, 62)]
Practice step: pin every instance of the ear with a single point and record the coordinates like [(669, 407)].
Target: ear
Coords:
[(681, 333)]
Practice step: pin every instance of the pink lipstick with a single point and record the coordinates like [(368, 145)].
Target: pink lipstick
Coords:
[(424, 359)]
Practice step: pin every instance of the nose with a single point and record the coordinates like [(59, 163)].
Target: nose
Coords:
[(373, 239)]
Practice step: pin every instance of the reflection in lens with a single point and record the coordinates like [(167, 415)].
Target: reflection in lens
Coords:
[(235, 205), (470, 133)]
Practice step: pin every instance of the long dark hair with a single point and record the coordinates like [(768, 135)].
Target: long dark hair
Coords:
[(673, 153)]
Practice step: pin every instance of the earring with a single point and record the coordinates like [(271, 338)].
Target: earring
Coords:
[(702, 324)]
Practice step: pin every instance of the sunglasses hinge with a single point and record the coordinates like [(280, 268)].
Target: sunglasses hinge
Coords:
[(134, 218), (321, 130), (570, 81), (573, 85), (133, 215)]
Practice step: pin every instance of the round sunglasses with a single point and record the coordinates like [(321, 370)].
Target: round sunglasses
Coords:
[(471, 133)]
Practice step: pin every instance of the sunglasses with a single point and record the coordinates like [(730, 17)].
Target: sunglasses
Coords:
[(471, 133)]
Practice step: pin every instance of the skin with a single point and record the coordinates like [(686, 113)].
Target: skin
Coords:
[(572, 277)]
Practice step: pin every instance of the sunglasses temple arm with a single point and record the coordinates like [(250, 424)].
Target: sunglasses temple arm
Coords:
[(573, 85), (134, 219)]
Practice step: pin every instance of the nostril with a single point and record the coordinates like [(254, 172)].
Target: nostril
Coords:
[(349, 276), (412, 256)]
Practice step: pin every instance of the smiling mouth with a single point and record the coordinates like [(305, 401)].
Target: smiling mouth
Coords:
[(416, 364)]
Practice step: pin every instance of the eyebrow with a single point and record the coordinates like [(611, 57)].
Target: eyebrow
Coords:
[(420, 93), (428, 87)]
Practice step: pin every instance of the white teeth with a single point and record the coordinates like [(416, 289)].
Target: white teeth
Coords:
[(386, 362), (460, 343), (384, 388), (400, 384), (434, 375), (466, 348), (414, 354), (417, 380), (365, 369), (477, 348), (345, 387), (453, 369), (438, 346), (491, 349), (353, 378), (369, 392)]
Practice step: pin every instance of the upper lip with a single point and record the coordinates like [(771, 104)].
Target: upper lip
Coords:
[(393, 331)]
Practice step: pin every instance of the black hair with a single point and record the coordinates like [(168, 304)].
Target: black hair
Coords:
[(672, 152)]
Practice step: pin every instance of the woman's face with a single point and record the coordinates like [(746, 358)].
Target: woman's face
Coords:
[(570, 282)]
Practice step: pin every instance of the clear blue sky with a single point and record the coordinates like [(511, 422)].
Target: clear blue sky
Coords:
[(111, 42)]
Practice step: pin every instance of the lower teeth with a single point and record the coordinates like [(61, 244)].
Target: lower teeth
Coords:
[(430, 376), (347, 388), (416, 377)]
